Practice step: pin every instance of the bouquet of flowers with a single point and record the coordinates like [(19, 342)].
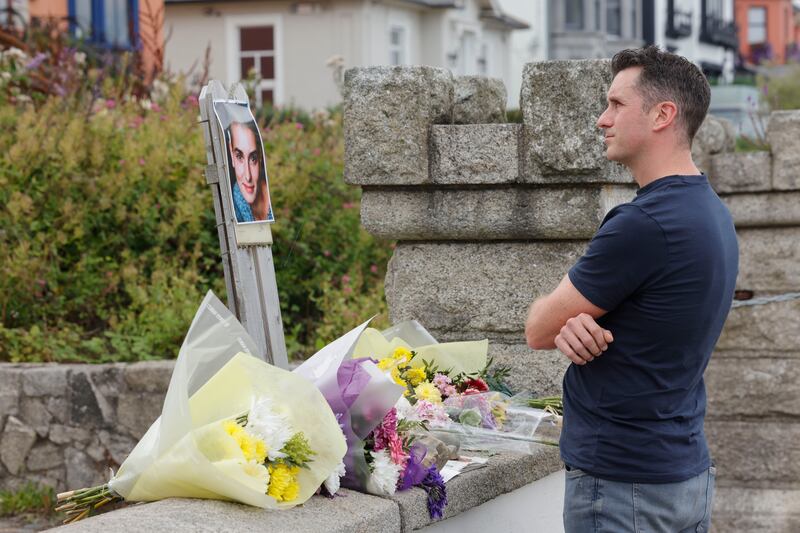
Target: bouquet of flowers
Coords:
[(232, 428), (453, 388), (384, 452)]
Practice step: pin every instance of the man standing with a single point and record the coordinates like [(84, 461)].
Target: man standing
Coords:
[(639, 315)]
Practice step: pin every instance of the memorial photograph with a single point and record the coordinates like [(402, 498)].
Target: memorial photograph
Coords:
[(246, 161)]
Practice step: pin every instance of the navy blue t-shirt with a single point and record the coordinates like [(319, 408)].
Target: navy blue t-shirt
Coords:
[(664, 266)]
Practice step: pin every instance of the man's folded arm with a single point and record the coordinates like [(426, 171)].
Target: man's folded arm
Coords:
[(548, 314)]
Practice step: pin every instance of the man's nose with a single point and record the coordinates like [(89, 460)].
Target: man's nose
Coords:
[(603, 121)]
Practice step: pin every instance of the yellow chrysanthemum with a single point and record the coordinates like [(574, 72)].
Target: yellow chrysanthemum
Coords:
[(261, 451), (283, 485), (253, 448), (401, 352), (415, 376), (386, 363), (232, 428), (399, 379), (292, 490), (428, 391)]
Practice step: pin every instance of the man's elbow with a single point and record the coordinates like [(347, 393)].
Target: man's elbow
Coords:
[(534, 332), (538, 342)]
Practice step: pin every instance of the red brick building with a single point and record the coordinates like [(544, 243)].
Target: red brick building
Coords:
[(768, 30)]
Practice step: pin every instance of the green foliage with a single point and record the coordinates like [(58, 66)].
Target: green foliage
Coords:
[(298, 451), (109, 231), (514, 116), (329, 270), (747, 144), (30, 498), (779, 90), (782, 91)]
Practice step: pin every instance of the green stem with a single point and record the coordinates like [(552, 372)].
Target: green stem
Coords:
[(79, 504)]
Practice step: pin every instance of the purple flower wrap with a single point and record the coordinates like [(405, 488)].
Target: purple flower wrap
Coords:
[(360, 406)]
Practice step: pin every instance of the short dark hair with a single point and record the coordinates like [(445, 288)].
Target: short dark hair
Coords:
[(667, 76)]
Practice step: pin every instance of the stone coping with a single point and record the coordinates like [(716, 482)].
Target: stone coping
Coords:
[(348, 512)]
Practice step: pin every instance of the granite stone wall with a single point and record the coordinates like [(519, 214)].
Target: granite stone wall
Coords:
[(490, 215), (65, 426)]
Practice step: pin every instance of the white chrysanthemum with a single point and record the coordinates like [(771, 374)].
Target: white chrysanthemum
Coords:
[(332, 483), (264, 422), (404, 408), (383, 481)]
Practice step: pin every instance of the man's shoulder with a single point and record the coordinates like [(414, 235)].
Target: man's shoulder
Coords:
[(629, 213)]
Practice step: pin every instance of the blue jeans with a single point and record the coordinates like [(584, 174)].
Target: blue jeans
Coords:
[(593, 505)]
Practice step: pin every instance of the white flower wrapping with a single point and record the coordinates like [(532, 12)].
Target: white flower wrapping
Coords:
[(185, 452)]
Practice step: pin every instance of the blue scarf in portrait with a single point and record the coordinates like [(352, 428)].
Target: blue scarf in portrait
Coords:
[(243, 211), (242, 208)]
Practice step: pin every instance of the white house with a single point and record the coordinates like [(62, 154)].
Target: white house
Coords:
[(531, 44), (703, 31), (291, 43)]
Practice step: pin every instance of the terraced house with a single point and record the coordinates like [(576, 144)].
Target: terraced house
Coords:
[(297, 47), (113, 24)]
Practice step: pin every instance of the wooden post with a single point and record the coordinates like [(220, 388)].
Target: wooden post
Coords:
[(246, 249)]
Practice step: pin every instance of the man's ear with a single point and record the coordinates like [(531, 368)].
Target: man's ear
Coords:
[(664, 114)]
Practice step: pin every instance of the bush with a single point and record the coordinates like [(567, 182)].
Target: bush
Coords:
[(109, 228), (329, 270), (782, 91), (29, 499)]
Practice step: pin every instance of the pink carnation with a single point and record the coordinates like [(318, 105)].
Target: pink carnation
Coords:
[(396, 452), (386, 432), (432, 412), (444, 384)]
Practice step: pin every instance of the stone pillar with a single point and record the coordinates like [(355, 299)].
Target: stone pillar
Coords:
[(561, 102), (388, 112), (488, 216), (753, 379), (493, 214)]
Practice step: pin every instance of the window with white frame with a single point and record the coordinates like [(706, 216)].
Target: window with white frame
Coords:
[(483, 60), (468, 53), (257, 56), (598, 16), (573, 14), (614, 17), (398, 40), (756, 25)]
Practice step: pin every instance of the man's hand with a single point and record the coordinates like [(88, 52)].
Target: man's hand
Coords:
[(581, 339)]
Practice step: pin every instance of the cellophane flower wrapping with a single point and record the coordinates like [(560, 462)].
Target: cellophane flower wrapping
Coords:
[(360, 395), (478, 418), (187, 452), (494, 422), (460, 357)]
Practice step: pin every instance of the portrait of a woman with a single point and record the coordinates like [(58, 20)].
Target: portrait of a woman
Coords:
[(247, 168)]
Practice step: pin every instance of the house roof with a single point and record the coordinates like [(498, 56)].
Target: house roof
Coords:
[(434, 3), (490, 9), (508, 21)]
